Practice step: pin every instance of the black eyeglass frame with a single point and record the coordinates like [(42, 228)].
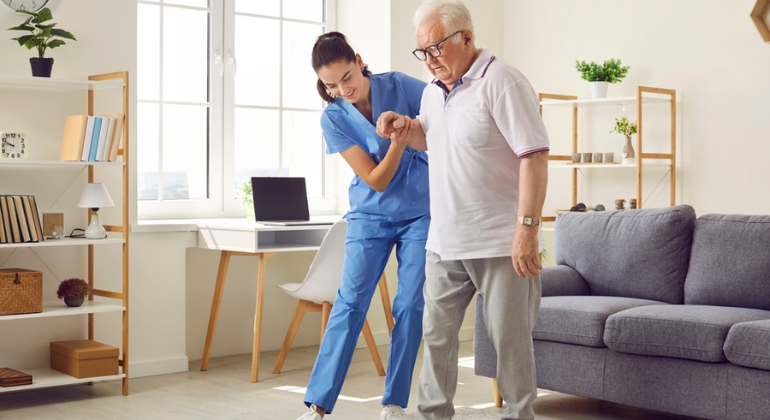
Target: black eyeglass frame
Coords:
[(426, 53)]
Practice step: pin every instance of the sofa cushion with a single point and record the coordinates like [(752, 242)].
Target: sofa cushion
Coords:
[(730, 262), (685, 331), (640, 254), (748, 344), (579, 319)]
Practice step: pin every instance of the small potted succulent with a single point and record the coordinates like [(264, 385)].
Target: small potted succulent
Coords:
[(41, 37), (626, 128), (599, 76), (73, 291)]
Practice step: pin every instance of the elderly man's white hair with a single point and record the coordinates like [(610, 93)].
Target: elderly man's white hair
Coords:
[(452, 13)]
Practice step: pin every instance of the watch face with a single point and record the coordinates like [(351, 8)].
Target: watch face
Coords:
[(14, 145), (28, 5)]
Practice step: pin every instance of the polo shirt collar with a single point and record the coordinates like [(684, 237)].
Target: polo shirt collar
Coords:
[(477, 70)]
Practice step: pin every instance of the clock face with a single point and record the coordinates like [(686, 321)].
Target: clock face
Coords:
[(14, 145), (28, 5)]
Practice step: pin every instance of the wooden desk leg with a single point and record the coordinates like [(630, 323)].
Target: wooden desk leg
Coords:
[(386, 302), (263, 256), (224, 261)]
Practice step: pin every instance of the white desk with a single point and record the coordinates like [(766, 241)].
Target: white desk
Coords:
[(240, 237)]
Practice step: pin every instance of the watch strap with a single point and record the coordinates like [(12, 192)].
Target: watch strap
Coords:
[(528, 220)]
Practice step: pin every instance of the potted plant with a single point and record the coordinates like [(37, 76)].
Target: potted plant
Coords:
[(247, 200), (73, 291), (41, 38), (600, 76), (626, 128)]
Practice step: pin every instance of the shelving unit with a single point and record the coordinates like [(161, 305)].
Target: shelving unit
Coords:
[(45, 377), (643, 97)]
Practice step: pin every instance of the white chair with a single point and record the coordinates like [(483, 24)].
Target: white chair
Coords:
[(319, 289)]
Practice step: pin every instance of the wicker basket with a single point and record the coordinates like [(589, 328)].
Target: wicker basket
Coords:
[(21, 291)]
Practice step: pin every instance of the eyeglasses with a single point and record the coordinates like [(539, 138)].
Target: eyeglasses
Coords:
[(432, 50)]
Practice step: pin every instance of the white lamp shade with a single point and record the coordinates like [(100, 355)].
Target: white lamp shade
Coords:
[(95, 195)]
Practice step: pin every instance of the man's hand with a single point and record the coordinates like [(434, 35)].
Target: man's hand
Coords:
[(388, 123), (401, 137), (524, 255)]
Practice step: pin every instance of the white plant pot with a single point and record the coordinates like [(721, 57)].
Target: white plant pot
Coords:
[(629, 161), (599, 89)]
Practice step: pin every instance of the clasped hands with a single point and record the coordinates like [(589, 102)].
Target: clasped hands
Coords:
[(397, 128)]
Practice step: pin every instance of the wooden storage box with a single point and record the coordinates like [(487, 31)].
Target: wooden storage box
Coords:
[(21, 291), (84, 358)]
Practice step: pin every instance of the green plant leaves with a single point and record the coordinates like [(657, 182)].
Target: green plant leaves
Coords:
[(23, 39), (41, 34), (610, 71), (22, 28), (63, 34), (624, 126)]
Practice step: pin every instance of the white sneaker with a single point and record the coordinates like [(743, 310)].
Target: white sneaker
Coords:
[(393, 412), (311, 415)]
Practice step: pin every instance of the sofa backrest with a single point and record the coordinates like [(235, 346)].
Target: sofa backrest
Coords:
[(730, 262), (641, 254)]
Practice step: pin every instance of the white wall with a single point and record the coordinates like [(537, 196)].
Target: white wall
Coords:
[(708, 50), (171, 281)]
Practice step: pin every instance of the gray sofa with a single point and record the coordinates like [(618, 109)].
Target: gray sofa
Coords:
[(655, 309)]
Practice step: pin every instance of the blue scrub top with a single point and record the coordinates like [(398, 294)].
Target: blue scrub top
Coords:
[(406, 197)]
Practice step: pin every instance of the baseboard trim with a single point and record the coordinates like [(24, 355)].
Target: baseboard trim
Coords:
[(158, 367), (383, 338)]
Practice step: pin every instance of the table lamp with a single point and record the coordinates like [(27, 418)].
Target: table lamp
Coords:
[(95, 195)]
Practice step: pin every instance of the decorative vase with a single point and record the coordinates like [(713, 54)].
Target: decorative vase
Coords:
[(73, 301), (41, 67), (599, 89), (628, 152)]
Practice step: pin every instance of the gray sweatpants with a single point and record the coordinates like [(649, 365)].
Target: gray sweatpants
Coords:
[(510, 309)]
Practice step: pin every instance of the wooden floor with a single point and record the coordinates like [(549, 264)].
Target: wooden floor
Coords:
[(225, 392)]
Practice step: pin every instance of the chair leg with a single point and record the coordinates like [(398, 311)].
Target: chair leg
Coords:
[(299, 313), (385, 295), (373, 348), (498, 397), (326, 309)]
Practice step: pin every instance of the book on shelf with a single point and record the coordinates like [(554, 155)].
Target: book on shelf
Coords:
[(30, 219), (13, 219), (3, 239), (102, 139), (12, 377), (26, 236), (36, 216), (95, 138), (72, 141), (104, 154), (6, 221), (86, 140), (116, 135)]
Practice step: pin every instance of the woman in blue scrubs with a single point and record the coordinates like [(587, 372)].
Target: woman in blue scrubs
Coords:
[(389, 206)]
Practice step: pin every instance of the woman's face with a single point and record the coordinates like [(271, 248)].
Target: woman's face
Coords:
[(345, 79)]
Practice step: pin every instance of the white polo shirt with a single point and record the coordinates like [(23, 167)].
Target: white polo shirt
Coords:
[(476, 135)]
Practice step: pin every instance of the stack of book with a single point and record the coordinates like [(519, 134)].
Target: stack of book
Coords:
[(19, 220), (92, 139), (12, 377)]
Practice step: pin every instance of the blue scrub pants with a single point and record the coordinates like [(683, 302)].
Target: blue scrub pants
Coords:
[(367, 247)]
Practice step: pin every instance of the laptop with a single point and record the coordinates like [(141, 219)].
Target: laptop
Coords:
[(282, 202)]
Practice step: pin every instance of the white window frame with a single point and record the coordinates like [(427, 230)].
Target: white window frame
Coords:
[(221, 131)]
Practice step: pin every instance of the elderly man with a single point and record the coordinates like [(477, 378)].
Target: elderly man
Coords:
[(488, 173)]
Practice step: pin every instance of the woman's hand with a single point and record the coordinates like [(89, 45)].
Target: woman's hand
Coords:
[(387, 123), (401, 137)]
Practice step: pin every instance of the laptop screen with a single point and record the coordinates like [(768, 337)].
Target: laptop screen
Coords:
[(279, 199)]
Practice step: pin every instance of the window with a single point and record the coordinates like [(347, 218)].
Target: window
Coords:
[(226, 92)]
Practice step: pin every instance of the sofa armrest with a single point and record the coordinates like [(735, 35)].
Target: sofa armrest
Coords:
[(563, 280)]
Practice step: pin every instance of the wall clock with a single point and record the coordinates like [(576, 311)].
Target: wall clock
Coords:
[(28, 5), (14, 145)]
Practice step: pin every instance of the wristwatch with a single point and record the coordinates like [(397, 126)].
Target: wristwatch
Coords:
[(528, 220)]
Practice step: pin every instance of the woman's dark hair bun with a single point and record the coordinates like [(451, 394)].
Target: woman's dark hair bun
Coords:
[(330, 48)]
